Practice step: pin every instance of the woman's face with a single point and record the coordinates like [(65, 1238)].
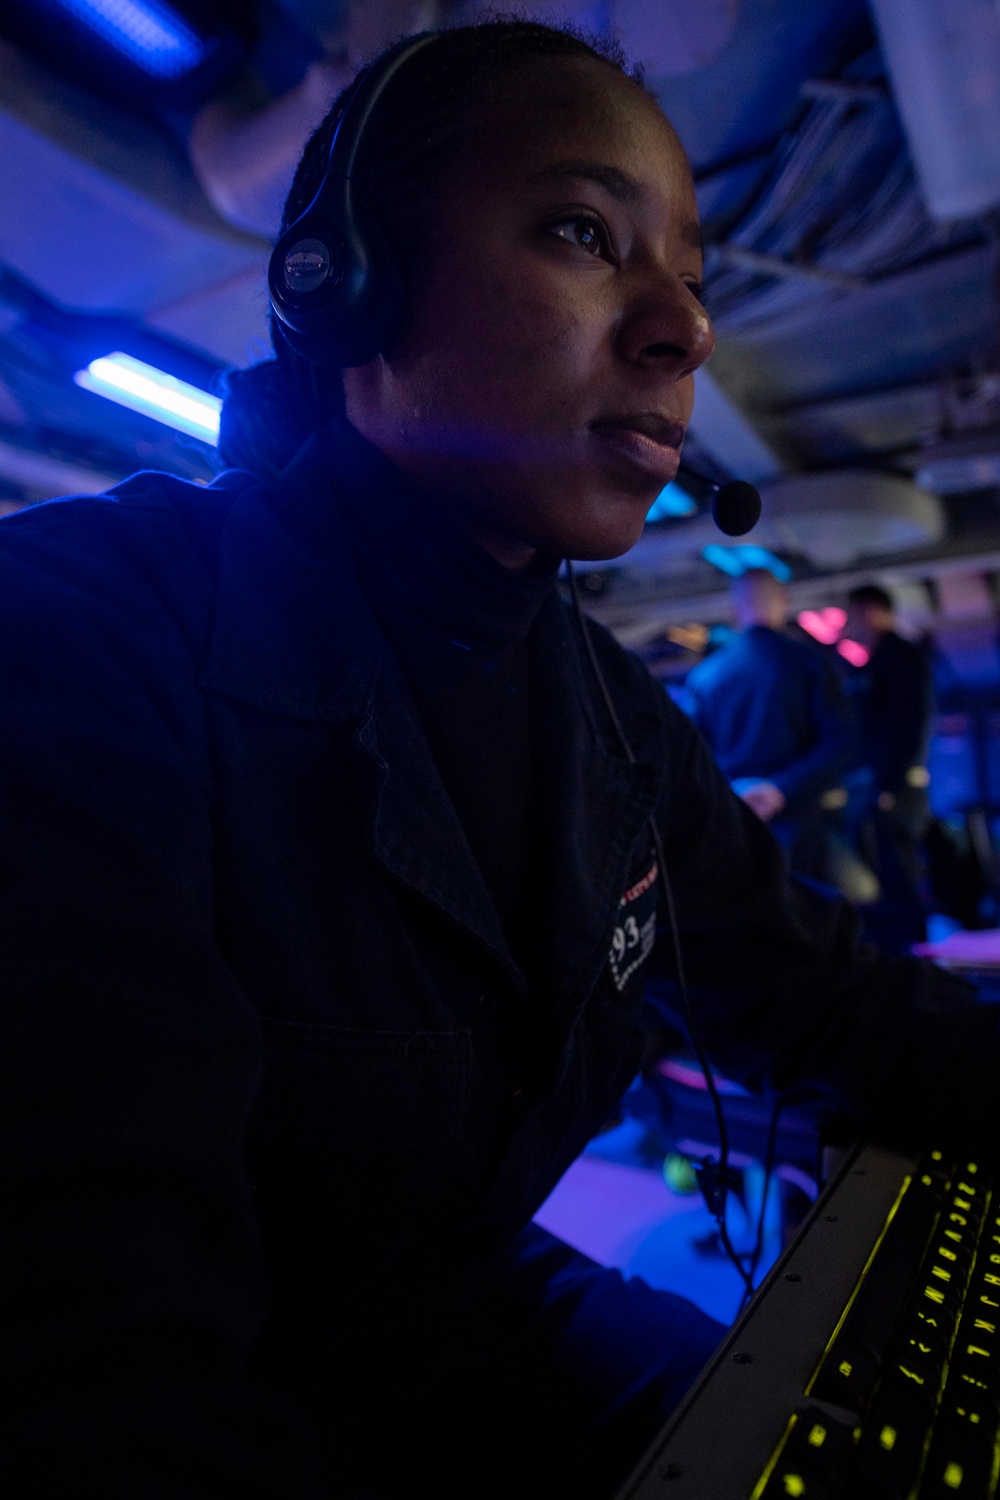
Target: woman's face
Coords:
[(543, 378)]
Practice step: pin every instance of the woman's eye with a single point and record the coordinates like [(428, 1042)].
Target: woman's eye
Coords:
[(587, 234)]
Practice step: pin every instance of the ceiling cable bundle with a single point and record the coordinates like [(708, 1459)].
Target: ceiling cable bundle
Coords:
[(839, 204)]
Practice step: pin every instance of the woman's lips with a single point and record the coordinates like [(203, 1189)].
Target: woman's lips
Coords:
[(654, 447)]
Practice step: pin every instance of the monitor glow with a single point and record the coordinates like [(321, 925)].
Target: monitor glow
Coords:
[(723, 558), (671, 502), (735, 561), (154, 393), (150, 33)]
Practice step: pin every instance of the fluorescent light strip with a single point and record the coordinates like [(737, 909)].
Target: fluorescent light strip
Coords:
[(149, 33), (152, 392)]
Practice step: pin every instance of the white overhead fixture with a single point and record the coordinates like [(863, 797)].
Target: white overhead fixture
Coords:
[(839, 515)]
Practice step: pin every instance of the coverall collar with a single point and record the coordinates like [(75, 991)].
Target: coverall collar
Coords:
[(294, 636), (292, 632)]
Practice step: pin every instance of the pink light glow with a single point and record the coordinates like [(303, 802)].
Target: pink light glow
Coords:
[(824, 625), (854, 652), (691, 1076)]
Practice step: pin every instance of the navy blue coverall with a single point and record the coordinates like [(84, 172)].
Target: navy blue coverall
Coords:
[(267, 1176), (772, 710)]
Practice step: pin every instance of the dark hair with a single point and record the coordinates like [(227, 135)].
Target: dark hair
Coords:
[(870, 594), (417, 130)]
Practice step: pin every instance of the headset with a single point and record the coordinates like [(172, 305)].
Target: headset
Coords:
[(334, 285), (337, 292)]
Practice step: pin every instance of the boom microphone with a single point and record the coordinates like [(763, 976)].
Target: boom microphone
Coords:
[(736, 507)]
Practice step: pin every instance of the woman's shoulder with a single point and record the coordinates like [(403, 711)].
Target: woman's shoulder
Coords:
[(148, 530), (134, 563), (135, 515)]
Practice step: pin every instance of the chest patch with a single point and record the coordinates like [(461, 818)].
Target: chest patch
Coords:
[(635, 931)]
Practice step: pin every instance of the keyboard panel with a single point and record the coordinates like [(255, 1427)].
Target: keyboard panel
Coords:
[(869, 1363), (718, 1443)]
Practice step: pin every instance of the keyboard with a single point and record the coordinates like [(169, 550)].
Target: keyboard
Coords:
[(867, 1366)]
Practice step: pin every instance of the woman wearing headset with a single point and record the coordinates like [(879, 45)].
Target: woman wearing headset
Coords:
[(330, 890)]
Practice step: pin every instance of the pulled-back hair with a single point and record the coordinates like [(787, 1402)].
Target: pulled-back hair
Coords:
[(416, 132)]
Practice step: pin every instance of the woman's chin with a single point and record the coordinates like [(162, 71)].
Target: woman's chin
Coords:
[(570, 518), (608, 531)]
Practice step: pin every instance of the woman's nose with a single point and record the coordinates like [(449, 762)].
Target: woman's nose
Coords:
[(667, 328)]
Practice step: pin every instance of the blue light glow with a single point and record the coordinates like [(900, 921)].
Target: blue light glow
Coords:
[(724, 558), (146, 389), (148, 32), (671, 502), (736, 560)]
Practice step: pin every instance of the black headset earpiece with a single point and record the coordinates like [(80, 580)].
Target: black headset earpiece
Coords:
[(335, 288)]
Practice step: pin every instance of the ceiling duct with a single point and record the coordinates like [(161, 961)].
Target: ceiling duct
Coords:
[(721, 430), (944, 60), (668, 40), (100, 211), (831, 518), (961, 467), (245, 161)]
